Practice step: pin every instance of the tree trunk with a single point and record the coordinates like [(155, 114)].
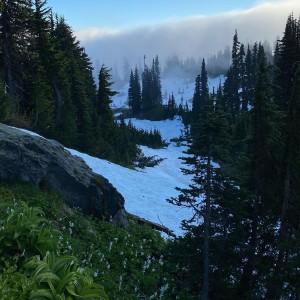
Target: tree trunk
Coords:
[(275, 287), (244, 286), (8, 69), (58, 118), (205, 282)]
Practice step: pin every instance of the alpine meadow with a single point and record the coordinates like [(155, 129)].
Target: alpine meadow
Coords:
[(179, 179)]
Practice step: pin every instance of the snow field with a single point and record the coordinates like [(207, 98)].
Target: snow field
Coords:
[(181, 88), (145, 191)]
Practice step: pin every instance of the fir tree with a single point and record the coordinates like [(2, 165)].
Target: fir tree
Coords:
[(172, 106), (105, 115), (232, 100), (37, 80), (201, 92), (261, 172), (287, 56), (242, 69), (151, 87), (248, 81), (14, 27), (235, 52), (156, 82), (134, 92), (285, 262), (147, 90), (197, 98), (202, 196)]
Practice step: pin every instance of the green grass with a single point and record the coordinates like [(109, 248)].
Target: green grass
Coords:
[(131, 263)]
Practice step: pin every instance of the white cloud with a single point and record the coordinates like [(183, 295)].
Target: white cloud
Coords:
[(197, 36), (92, 34)]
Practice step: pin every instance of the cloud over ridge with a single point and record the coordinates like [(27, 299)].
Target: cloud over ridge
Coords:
[(196, 36)]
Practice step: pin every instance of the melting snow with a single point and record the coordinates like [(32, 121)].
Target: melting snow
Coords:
[(145, 191)]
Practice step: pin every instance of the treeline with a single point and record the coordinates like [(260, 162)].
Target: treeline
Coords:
[(146, 100), (243, 241), (145, 96), (217, 64), (150, 138), (46, 83)]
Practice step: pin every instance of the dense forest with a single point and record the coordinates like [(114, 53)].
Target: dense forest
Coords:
[(245, 209), (243, 242), (243, 153), (47, 84)]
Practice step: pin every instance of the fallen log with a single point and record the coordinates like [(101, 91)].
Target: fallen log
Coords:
[(153, 225)]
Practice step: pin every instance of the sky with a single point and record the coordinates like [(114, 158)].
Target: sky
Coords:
[(113, 31), (125, 14)]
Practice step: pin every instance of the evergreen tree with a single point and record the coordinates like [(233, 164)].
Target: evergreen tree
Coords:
[(156, 82), (131, 90), (172, 106), (242, 70), (105, 115), (204, 84), (40, 92), (231, 102), (260, 175), (236, 64), (14, 27), (151, 87), (134, 92), (64, 42), (147, 90), (201, 92), (287, 241), (248, 81), (196, 109), (202, 196), (288, 55), (83, 106), (235, 58)]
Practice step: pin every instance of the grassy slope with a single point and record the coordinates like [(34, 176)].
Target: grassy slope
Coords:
[(130, 263)]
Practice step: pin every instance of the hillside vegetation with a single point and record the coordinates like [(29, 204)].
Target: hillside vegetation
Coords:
[(49, 249)]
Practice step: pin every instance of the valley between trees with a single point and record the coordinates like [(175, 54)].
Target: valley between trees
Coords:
[(243, 155)]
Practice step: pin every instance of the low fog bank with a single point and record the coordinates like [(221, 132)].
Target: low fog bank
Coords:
[(195, 37)]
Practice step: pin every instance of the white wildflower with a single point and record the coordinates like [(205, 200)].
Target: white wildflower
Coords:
[(110, 246), (120, 283), (163, 289)]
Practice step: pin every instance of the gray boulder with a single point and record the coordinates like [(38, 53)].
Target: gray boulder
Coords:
[(48, 164)]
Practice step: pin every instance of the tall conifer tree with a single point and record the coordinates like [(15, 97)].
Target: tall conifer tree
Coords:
[(202, 196), (201, 92), (14, 27), (104, 100), (134, 92)]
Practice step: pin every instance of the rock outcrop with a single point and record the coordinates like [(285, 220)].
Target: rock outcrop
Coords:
[(48, 164)]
